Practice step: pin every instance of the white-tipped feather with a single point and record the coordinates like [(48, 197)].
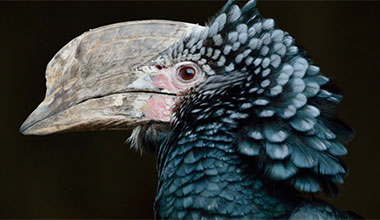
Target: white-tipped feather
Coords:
[(134, 139)]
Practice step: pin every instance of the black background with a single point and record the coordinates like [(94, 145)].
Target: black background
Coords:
[(96, 175)]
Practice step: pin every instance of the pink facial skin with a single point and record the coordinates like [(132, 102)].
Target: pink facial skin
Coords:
[(162, 81), (167, 79), (159, 107)]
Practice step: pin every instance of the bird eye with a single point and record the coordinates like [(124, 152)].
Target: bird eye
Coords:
[(187, 73)]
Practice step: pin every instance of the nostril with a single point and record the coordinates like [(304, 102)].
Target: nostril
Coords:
[(159, 67)]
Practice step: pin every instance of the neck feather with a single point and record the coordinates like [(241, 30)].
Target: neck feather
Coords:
[(201, 175)]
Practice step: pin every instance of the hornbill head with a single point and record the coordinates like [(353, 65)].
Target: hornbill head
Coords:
[(239, 75), (118, 77)]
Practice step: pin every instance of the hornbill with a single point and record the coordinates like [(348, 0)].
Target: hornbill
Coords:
[(240, 118)]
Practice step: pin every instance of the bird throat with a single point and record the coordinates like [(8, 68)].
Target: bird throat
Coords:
[(201, 175)]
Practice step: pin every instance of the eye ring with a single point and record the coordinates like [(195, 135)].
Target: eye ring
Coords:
[(188, 72)]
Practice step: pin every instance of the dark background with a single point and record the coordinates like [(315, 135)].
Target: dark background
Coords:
[(96, 175)]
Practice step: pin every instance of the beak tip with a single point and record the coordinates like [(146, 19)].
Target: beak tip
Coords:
[(32, 124), (24, 129), (29, 130), (28, 126)]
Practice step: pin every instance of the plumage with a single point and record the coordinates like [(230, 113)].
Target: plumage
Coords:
[(277, 151), (278, 135)]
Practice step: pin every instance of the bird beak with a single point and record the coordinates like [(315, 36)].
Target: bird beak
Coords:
[(97, 82)]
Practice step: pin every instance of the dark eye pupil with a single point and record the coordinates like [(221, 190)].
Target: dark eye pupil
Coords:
[(187, 73)]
